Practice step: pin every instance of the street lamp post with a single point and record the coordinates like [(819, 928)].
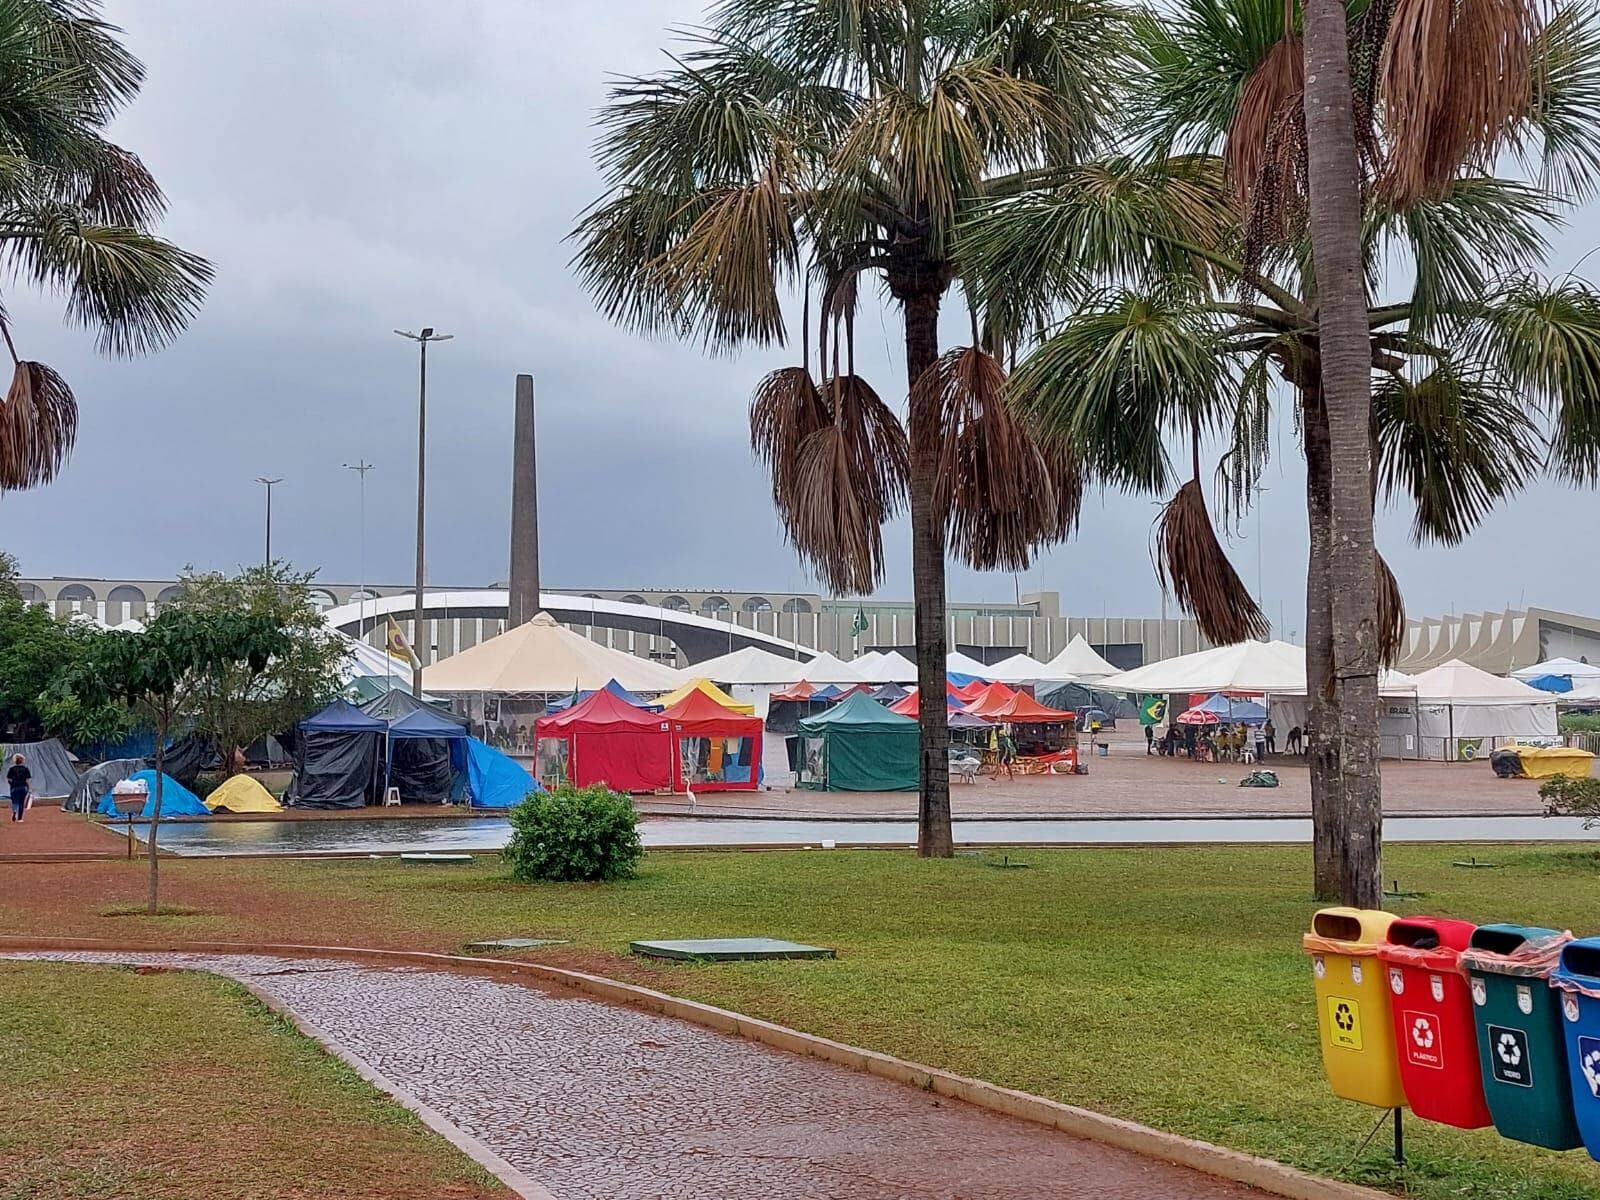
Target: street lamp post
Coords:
[(422, 339), (361, 466), (269, 484)]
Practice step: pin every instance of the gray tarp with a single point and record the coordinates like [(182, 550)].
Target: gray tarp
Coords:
[(100, 779), (54, 776)]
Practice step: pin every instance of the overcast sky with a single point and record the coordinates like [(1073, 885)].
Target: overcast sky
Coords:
[(358, 167)]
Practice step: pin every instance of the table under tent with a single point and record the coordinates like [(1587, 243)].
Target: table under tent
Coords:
[(858, 745), (715, 748), (604, 740)]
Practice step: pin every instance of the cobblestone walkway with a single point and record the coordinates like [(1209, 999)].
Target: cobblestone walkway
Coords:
[(606, 1102)]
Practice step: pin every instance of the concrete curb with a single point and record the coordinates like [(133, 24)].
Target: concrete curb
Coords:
[(514, 1179), (1266, 1175)]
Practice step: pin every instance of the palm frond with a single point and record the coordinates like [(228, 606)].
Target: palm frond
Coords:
[(1266, 101), (785, 409), (1559, 138), (1191, 562), (1454, 445), (38, 426), (1454, 75), (1391, 614)]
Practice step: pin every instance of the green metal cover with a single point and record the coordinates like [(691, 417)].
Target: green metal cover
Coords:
[(728, 949)]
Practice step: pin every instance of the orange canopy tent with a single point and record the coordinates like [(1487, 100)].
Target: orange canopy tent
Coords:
[(970, 690), (732, 760), (1023, 709), (610, 741), (989, 698)]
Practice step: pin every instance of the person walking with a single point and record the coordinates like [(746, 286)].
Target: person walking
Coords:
[(1149, 740), (1007, 753), (18, 779)]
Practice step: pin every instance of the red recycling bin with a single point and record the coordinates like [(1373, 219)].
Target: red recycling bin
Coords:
[(1433, 1022)]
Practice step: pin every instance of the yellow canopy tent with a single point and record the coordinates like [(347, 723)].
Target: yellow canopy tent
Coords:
[(242, 794), (710, 689), (1542, 762)]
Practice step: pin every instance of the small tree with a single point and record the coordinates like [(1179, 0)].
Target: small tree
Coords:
[(160, 671), (574, 835), (1565, 797), (233, 704)]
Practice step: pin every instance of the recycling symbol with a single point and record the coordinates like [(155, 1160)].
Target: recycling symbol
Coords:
[(1344, 1018), (1591, 1071), (1422, 1033), (1509, 1051)]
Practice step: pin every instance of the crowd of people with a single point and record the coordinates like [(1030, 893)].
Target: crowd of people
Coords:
[(1220, 743)]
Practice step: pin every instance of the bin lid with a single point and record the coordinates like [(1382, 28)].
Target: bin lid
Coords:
[(1356, 931), (1504, 938), (1507, 949), (1433, 943), (1579, 970)]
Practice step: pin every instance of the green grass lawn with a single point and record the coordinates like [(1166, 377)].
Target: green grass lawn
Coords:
[(135, 1086), (1163, 985)]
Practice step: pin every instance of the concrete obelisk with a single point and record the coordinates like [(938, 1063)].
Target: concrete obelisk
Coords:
[(524, 597)]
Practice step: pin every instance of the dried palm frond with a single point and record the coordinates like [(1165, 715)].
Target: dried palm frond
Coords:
[(1190, 560), (1391, 614), (1453, 75), (38, 425), (785, 410), (1269, 93), (1000, 492)]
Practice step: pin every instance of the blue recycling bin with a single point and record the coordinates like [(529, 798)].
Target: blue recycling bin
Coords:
[(1577, 982)]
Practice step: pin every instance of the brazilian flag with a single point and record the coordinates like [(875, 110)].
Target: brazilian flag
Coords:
[(1152, 710)]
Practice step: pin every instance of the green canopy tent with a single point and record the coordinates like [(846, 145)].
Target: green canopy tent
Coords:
[(858, 745)]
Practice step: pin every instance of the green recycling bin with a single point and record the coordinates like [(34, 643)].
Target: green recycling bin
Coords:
[(1522, 1048)]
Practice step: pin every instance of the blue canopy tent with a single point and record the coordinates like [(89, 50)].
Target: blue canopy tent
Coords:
[(615, 688), (336, 758), (176, 800), (496, 780), (1234, 710), (1552, 683), (426, 756)]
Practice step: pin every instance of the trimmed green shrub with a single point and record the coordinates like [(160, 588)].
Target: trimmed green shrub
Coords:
[(1565, 797), (1578, 722), (574, 835)]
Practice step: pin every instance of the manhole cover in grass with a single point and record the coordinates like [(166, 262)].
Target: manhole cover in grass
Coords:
[(729, 949), (514, 943)]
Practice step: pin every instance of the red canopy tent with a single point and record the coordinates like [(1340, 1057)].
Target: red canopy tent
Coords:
[(991, 697), (970, 690), (906, 706), (800, 691), (1023, 709), (733, 768), (610, 741)]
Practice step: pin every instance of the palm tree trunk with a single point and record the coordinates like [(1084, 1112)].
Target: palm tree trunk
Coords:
[(1345, 355), (1322, 743), (934, 837)]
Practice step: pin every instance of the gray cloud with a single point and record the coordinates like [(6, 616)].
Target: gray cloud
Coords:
[(358, 167)]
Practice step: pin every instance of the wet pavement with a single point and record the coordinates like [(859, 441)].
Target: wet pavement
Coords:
[(599, 1101), (378, 836)]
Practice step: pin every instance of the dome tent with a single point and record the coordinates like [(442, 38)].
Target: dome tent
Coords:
[(242, 794), (176, 800)]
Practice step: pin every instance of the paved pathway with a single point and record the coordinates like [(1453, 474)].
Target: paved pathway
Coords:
[(602, 1101)]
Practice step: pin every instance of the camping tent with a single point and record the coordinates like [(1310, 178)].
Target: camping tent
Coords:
[(494, 779), (1019, 668), (715, 748), (336, 759), (707, 688), (242, 794), (540, 657), (1461, 712), (615, 688), (1078, 696), (98, 780), (857, 746), (961, 664), (1574, 669), (54, 776), (1078, 661), (176, 800), (603, 740)]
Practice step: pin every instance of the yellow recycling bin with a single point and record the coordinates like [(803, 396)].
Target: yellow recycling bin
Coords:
[(1358, 1051)]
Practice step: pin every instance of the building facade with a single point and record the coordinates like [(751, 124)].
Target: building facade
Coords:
[(1033, 624)]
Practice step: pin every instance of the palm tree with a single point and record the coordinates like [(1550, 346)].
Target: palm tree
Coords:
[(1183, 314), (75, 217), (802, 145)]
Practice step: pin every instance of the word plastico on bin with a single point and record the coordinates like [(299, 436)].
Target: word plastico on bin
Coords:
[(1466, 1025)]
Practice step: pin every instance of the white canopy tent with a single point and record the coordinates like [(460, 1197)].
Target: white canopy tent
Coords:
[(1265, 668), (885, 667), (963, 664), (1462, 712), (1078, 663), (1019, 668), (541, 657), (826, 668), (1572, 668), (751, 675)]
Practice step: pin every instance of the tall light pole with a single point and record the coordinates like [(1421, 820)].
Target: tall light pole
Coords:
[(422, 339), (269, 483), (361, 466)]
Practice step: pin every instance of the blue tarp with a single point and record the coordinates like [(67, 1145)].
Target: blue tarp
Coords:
[(1552, 683), (425, 724), (958, 679), (1237, 711), (615, 688), (343, 717), (496, 780), (176, 800)]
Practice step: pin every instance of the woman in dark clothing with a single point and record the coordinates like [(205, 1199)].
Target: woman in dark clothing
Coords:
[(17, 779)]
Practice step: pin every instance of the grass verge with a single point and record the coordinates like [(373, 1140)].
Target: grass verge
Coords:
[(144, 1085)]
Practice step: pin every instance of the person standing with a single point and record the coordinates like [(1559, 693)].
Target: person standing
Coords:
[(19, 779), (1149, 740), (1272, 736)]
